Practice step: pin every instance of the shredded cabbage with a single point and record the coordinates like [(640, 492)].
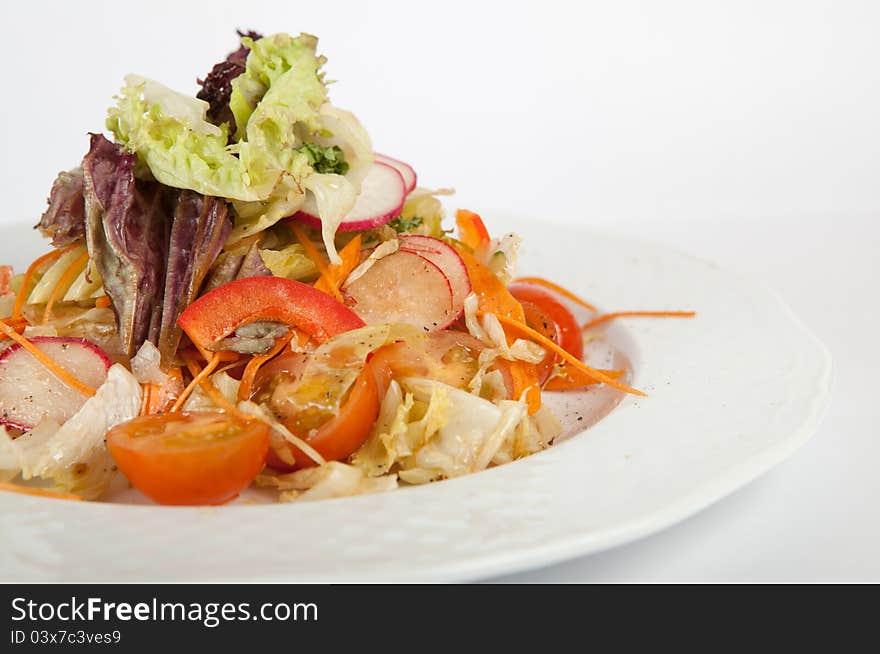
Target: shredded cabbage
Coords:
[(88, 284), (290, 262), (424, 204), (428, 430), (224, 383), (333, 479), (41, 292), (146, 365)]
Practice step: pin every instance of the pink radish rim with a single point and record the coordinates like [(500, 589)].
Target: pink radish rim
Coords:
[(361, 224), (384, 158)]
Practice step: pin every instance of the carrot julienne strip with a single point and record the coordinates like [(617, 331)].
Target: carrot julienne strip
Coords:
[(196, 380), (67, 278), (567, 378), (47, 362), (253, 366), (564, 354), (102, 302), (209, 388), (39, 492), (24, 291), (540, 281), (146, 393), (636, 314), (310, 249), (330, 281)]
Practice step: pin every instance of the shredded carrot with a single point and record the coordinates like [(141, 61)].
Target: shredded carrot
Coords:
[(25, 289), (226, 356), (39, 492), (49, 364), (564, 354), (202, 380), (559, 289), (197, 378), (253, 366), (492, 294), (471, 229), (569, 377), (337, 273), (102, 302), (67, 278), (145, 399), (595, 322), (158, 398), (524, 378), (310, 249)]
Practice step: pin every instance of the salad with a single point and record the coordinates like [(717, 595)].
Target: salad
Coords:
[(240, 293)]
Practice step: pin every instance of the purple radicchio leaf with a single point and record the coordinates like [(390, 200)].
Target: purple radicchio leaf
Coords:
[(217, 85), (126, 236), (64, 219), (200, 226), (230, 267)]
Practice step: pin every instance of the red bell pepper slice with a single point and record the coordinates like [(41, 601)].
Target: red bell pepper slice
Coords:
[(221, 311)]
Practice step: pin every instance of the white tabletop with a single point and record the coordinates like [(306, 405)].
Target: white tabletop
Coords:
[(743, 132)]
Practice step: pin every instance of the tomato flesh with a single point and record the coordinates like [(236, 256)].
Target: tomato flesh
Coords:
[(540, 321), (195, 458), (339, 437), (570, 336)]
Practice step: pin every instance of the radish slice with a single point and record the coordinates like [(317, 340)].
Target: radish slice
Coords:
[(403, 288), (381, 199), (447, 260), (406, 171), (29, 392)]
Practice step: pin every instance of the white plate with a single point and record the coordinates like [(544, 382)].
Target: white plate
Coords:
[(731, 394)]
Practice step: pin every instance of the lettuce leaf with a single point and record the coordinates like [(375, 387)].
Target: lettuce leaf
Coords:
[(279, 104), (183, 150), (283, 66), (290, 262), (217, 85)]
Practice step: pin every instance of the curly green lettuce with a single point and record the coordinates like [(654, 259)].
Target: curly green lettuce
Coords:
[(289, 140)]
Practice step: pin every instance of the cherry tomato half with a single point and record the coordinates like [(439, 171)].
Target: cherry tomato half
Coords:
[(571, 337), (203, 457), (540, 321), (339, 437)]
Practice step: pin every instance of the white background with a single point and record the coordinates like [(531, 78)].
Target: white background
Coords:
[(746, 132)]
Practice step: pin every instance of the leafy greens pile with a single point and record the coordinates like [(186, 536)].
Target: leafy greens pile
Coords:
[(190, 177)]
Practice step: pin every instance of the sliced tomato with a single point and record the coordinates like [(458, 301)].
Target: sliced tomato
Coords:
[(190, 458), (338, 438), (540, 321), (221, 311), (446, 356), (570, 336)]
